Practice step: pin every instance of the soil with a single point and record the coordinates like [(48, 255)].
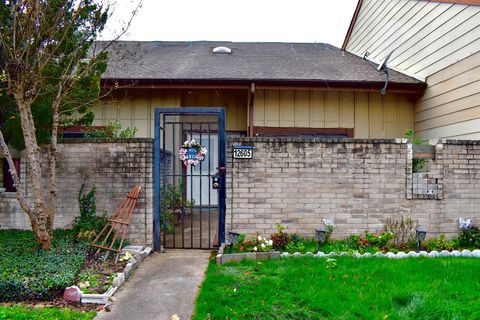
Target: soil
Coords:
[(104, 270)]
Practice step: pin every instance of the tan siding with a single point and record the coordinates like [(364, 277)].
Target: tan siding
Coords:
[(287, 108), (272, 108), (302, 108), (425, 37), (375, 104), (136, 108), (450, 107), (347, 109), (317, 109), (332, 109), (371, 115), (362, 127)]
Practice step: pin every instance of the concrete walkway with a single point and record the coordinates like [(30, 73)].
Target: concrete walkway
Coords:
[(163, 285)]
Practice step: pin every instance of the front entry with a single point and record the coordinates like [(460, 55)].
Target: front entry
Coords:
[(190, 162)]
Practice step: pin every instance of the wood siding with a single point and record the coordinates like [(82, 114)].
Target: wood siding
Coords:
[(425, 36), (370, 114), (450, 106), (136, 108)]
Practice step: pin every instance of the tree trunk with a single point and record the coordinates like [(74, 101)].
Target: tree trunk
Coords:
[(39, 218)]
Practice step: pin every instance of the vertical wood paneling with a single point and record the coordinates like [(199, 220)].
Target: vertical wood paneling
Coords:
[(362, 124), (347, 109), (391, 116), (231, 112), (272, 108), (405, 113), (375, 103), (111, 110), (259, 109), (332, 109), (302, 108), (141, 112), (317, 109), (287, 108)]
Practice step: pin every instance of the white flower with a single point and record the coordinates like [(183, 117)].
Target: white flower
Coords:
[(259, 238), (263, 245), (255, 248), (270, 242)]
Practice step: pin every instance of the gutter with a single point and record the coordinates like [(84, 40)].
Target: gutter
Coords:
[(372, 86)]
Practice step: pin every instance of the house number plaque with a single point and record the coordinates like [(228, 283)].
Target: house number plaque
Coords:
[(243, 152)]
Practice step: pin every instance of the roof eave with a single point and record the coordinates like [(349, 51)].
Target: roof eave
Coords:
[(400, 87)]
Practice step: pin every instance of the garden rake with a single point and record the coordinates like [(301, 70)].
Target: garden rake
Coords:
[(117, 225)]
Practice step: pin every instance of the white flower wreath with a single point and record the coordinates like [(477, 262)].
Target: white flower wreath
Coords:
[(201, 151)]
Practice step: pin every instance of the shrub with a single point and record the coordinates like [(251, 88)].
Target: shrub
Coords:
[(27, 272), (469, 237), (113, 130), (280, 239), (441, 243), (88, 224), (403, 230)]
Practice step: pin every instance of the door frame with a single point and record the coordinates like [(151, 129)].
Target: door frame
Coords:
[(222, 163)]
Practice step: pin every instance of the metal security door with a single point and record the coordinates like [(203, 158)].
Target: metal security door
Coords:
[(189, 178)]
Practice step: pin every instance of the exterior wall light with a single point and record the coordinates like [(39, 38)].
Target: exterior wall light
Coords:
[(321, 234), (232, 240), (420, 236)]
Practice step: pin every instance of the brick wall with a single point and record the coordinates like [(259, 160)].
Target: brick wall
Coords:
[(113, 167), (359, 183), (291, 181)]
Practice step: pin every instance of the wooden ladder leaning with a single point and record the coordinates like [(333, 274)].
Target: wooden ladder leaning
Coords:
[(118, 222)]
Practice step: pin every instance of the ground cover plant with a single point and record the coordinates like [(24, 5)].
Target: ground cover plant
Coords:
[(27, 272), (25, 313), (342, 288)]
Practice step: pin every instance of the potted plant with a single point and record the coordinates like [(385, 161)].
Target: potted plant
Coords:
[(175, 201)]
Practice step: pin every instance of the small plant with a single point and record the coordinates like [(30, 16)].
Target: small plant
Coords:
[(280, 238), (88, 224), (255, 244), (113, 130), (330, 226), (331, 263), (441, 243), (417, 164), (403, 230)]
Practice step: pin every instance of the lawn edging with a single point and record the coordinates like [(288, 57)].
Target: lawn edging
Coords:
[(139, 254), (222, 258)]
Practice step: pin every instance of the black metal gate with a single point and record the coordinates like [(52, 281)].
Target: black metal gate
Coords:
[(190, 158)]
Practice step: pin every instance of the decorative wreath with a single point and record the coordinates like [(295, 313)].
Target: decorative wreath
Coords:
[(191, 152)]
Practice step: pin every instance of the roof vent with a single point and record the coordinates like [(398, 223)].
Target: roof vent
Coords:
[(222, 50)]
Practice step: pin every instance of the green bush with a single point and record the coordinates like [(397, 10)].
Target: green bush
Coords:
[(469, 238), (88, 224), (27, 272), (441, 243)]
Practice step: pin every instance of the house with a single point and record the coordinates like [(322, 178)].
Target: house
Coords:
[(266, 88), (434, 41)]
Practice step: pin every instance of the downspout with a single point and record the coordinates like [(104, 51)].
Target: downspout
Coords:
[(251, 99)]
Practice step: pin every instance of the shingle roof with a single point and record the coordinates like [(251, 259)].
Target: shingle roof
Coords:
[(249, 61)]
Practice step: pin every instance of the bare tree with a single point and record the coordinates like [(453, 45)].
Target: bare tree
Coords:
[(47, 52)]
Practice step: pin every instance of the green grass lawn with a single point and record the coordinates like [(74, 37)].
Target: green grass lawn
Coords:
[(373, 288), (24, 313)]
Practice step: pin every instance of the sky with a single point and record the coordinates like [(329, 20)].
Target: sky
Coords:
[(233, 20)]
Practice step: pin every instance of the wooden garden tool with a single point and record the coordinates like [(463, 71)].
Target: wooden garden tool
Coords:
[(117, 225)]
